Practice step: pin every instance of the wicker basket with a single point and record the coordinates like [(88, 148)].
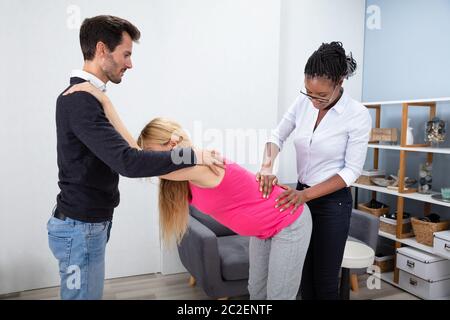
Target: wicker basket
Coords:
[(424, 230), (385, 263), (376, 212), (390, 226)]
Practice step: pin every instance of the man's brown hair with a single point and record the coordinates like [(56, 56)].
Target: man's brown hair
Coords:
[(107, 29)]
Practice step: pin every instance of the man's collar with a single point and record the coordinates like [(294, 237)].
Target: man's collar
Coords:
[(89, 77)]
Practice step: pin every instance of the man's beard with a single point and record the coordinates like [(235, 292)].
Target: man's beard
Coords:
[(111, 65)]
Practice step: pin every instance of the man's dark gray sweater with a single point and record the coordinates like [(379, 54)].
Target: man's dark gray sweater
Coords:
[(92, 154)]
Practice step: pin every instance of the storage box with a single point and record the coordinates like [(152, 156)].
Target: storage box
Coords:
[(390, 226), (432, 289), (424, 265), (384, 134), (424, 230), (441, 244)]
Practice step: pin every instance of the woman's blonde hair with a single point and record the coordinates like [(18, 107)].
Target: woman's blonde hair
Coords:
[(173, 195)]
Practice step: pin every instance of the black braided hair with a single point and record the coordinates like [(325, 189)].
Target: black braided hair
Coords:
[(330, 61)]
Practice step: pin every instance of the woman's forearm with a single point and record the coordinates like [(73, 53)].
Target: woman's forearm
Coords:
[(117, 123), (331, 185), (271, 151)]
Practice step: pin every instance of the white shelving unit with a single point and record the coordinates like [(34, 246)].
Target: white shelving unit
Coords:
[(412, 149), (384, 103), (404, 149), (414, 196)]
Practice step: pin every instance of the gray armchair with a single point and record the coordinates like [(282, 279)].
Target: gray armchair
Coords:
[(215, 256), (364, 228)]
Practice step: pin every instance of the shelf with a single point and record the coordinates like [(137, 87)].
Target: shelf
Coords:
[(389, 278), (412, 149), (405, 101), (414, 196), (412, 242)]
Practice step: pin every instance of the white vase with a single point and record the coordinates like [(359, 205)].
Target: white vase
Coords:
[(409, 134)]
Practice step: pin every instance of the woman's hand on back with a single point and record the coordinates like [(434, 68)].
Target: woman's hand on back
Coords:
[(290, 198), (267, 181)]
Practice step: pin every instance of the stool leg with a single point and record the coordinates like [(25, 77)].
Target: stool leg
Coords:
[(192, 281), (345, 284), (354, 282)]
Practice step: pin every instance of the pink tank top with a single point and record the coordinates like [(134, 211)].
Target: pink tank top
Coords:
[(237, 204)]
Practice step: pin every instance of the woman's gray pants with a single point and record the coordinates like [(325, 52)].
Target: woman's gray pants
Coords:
[(276, 263)]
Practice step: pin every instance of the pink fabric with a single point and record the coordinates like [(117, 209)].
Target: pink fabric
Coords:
[(237, 204)]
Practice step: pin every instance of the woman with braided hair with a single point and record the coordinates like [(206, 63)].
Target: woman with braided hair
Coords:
[(331, 132)]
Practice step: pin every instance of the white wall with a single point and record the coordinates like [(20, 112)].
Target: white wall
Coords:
[(216, 66), (41, 51), (305, 25), (212, 61)]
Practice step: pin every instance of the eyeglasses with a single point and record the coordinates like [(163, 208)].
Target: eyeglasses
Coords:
[(319, 99)]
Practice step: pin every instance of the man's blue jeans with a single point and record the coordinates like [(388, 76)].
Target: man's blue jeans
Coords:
[(79, 248)]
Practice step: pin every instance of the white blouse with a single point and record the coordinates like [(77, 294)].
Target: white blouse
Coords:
[(337, 146)]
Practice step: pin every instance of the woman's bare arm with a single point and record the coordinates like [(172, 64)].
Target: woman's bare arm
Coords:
[(265, 176), (198, 175), (113, 117), (186, 174)]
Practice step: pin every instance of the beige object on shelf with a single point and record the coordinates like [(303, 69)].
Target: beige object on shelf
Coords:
[(368, 174), (384, 134), (425, 230), (405, 190), (366, 180)]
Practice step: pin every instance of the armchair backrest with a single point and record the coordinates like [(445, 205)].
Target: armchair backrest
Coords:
[(210, 223), (364, 227)]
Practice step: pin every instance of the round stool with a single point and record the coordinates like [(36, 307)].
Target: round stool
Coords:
[(357, 255)]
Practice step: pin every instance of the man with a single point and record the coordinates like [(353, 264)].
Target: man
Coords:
[(91, 155)]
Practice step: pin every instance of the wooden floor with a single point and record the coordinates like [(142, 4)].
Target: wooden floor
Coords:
[(176, 287)]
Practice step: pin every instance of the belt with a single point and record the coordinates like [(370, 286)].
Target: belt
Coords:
[(58, 215), (303, 186)]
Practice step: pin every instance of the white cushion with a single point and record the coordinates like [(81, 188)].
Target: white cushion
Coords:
[(357, 255)]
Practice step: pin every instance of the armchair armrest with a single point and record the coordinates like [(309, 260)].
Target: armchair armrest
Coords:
[(199, 253)]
